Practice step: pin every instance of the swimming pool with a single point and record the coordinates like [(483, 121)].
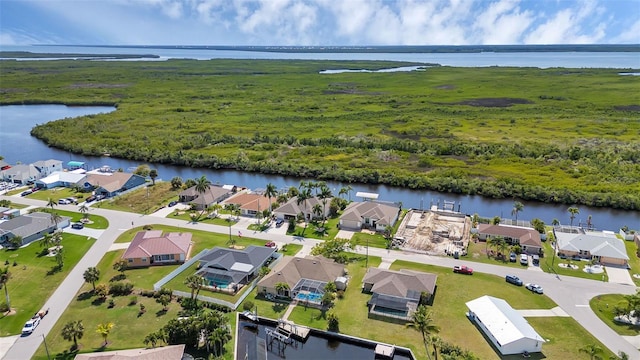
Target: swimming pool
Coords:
[(311, 297), (220, 284)]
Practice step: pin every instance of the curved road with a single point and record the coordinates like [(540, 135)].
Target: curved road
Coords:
[(570, 293)]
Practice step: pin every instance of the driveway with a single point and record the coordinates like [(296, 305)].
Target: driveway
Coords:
[(94, 233), (619, 276)]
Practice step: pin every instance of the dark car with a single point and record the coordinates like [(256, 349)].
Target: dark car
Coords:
[(90, 198), (173, 203), (279, 222), (77, 226), (26, 192), (512, 279)]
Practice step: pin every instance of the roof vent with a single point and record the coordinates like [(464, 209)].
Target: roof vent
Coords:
[(314, 262)]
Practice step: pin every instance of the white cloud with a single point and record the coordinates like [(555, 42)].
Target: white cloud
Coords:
[(570, 26), (630, 34), (502, 22)]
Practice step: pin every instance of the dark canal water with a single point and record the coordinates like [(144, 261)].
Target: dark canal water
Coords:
[(17, 145), (315, 347)]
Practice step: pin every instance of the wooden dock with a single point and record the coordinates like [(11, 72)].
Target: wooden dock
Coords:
[(297, 331)]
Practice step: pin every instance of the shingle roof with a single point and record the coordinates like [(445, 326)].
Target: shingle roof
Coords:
[(29, 224), (251, 202), (597, 245), (403, 283), (291, 269), (212, 195), (149, 243), (505, 324), (292, 208), (383, 214), (110, 182), (526, 236), (171, 352)]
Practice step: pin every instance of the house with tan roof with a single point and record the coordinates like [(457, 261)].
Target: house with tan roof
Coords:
[(305, 277), (397, 294), (213, 195), (602, 247), (153, 248), (170, 352), (111, 184), (369, 214), (528, 238), (291, 209), (250, 203)]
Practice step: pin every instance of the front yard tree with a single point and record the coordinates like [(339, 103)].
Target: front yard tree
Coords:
[(73, 331), (120, 266), (164, 300), (517, 208), (60, 257), (176, 182), (153, 174), (91, 275), (201, 186), (573, 211), (104, 330), (51, 203), (5, 275), (303, 196), (422, 321), (102, 291), (325, 194), (594, 351), (282, 288), (16, 241), (84, 209), (270, 191), (194, 282)]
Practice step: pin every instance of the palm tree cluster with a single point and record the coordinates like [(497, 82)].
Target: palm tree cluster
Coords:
[(212, 326), (422, 321)]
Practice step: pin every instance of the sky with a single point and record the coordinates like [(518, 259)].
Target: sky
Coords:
[(318, 22)]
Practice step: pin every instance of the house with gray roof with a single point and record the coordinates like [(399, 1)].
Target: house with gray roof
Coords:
[(603, 247), (369, 214), (30, 227), (291, 209), (397, 294), (48, 167), (213, 195), (21, 174), (230, 269)]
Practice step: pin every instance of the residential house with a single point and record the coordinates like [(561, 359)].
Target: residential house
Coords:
[(61, 179), (603, 247), (21, 174), (30, 227), (305, 277), (369, 214), (528, 238), (153, 248), (169, 352), (250, 203), (230, 269), (291, 209), (213, 195), (112, 184), (48, 167), (397, 294), (509, 332)]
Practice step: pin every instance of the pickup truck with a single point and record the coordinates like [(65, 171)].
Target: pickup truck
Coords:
[(33, 323), (463, 270)]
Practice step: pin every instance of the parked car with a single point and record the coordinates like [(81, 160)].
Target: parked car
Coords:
[(535, 260), (99, 197), (90, 198), (31, 325), (173, 203), (26, 192), (77, 226), (512, 279), (513, 257), (279, 222), (463, 270), (524, 259), (64, 202), (534, 288)]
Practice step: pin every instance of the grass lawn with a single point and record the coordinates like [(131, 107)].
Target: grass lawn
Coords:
[(30, 287), (454, 290), (186, 216), (547, 261), (97, 222), (373, 240), (142, 278), (330, 229), (145, 200), (14, 205), (634, 260), (57, 193), (477, 252), (603, 306)]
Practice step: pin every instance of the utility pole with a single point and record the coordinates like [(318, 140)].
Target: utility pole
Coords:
[(366, 262), (45, 347)]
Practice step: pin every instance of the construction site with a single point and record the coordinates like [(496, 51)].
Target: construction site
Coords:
[(438, 231)]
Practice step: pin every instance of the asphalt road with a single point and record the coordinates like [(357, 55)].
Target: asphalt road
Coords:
[(570, 293)]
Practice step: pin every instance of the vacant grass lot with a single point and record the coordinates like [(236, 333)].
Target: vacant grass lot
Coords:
[(56, 194), (463, 130), (144, 200), (33, 279)]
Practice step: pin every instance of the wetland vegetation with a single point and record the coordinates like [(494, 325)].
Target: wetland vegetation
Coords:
[(553, 135)]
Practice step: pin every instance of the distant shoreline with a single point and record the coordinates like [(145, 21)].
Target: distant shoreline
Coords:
[(32, 55), (389, 49)]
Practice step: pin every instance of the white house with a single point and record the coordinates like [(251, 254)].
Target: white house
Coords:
[(61, 178), (509, 332), (48, 167)]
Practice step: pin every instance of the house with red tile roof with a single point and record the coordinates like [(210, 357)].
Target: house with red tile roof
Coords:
[(250, 203), (153, 248)]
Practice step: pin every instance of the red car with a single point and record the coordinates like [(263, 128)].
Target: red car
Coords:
[(270, 244), (463, 270)]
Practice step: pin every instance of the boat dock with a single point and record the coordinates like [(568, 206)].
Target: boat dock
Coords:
[(300, 332)]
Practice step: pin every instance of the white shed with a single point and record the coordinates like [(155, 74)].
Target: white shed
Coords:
[(504, 326), (341, 283)]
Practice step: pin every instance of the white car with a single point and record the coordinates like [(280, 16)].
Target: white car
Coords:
[(534, 288), (31, 325)]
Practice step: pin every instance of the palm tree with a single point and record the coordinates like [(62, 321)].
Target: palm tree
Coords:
[(592, 350), (51, 203), (282, 288), (194, 282), (84, 209), (104, 329), (555, 222), (436, 342), (270, 191), (55, 218), (303, 196), (573, 211), (202, 185), (317, 210), (502, 247), (219, 337), (347, 190), (60, 257), (5, 275), (153, 174), (517, 207), (16, 241), (422, 321), (325, 193), (73, 331), (494, 242), (91, 275)]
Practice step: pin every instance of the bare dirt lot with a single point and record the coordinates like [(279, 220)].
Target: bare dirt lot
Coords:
[(435, 232)]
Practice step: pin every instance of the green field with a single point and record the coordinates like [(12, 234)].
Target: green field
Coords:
[(33, 278), (554, 135)]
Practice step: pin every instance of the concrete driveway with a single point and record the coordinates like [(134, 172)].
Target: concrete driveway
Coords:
[(94, 233), (619, 276)]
